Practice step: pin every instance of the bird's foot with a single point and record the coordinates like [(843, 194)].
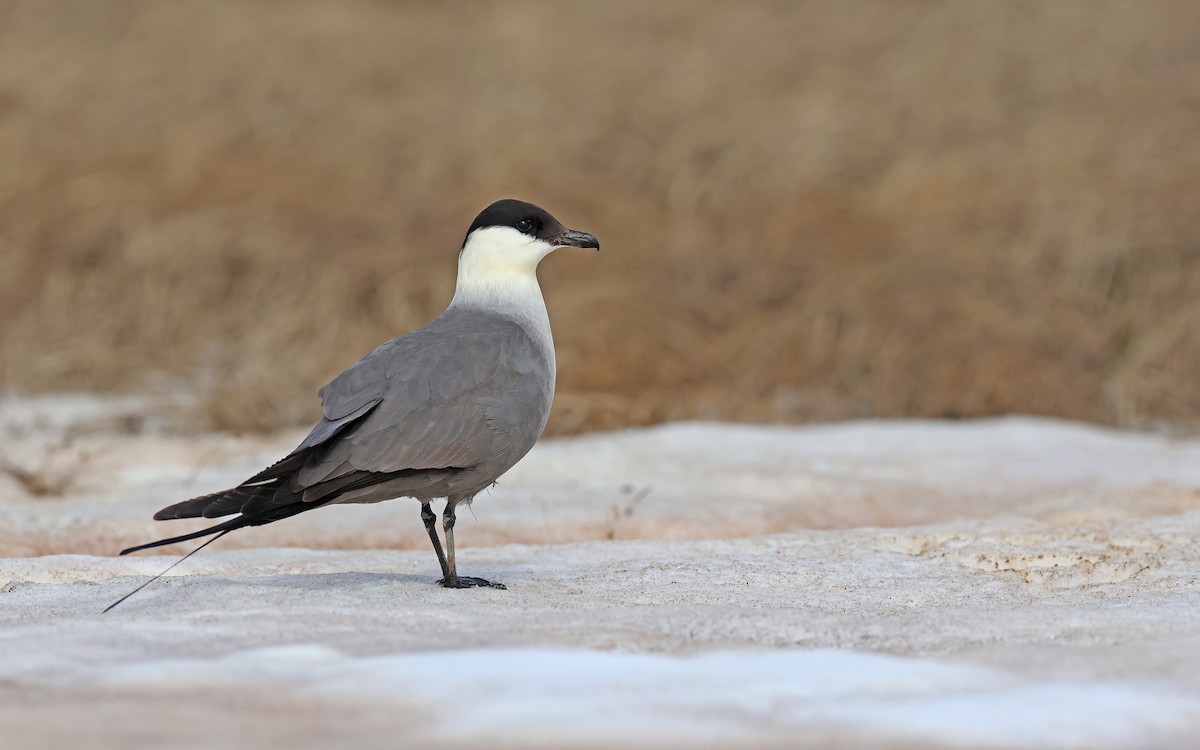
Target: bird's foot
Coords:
[(467, 582)]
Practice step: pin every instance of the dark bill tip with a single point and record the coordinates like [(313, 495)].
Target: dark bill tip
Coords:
[(572, 238)]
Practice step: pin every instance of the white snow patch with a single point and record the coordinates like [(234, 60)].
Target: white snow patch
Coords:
[(1005, 583), (536, 694)]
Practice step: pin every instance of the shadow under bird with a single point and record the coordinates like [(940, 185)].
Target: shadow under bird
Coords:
[(439, 413)]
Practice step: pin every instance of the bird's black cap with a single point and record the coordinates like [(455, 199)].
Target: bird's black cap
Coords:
[(532, 220)]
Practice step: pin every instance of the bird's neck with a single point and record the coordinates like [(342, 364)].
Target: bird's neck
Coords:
[(509, 290), (519, 298), (500, 284)]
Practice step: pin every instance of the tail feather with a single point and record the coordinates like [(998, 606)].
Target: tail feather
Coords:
[(168, 570), (238, 498), (242, 521), (230, 525), (223, 503)]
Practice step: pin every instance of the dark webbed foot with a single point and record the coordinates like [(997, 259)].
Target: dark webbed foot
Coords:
[(468, 582)]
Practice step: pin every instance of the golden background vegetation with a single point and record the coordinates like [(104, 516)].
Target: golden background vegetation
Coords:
[(809, 210)]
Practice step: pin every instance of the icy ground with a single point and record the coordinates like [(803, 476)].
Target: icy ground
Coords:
[(1007, 583)]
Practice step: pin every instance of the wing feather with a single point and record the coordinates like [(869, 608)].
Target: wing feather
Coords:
[(425, 397), (451, 397)]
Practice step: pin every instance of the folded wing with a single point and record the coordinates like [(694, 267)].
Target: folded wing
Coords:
[(415, 406)]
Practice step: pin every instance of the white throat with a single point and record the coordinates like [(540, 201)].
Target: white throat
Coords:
[(497, 271)]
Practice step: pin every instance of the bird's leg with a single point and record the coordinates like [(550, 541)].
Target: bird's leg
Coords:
[(452, 579), (430, 518)]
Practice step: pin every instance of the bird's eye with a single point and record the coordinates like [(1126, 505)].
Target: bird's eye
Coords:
[(525, 225)]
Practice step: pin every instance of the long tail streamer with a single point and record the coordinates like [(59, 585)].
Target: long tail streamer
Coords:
[(168, 570)]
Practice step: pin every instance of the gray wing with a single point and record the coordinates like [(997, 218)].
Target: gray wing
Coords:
[(442, 397), (446, 398)]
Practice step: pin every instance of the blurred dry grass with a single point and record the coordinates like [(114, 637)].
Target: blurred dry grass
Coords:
[(808, 209)]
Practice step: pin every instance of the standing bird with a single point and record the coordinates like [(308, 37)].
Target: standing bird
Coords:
[(439, 413)]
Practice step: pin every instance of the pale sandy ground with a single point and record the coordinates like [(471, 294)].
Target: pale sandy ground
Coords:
[(1009, 583)]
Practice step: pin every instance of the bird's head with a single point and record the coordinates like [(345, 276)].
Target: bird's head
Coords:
[(513, 236), (503, 247)]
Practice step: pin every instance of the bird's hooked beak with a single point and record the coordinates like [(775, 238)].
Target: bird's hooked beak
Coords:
[(573, 238)]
